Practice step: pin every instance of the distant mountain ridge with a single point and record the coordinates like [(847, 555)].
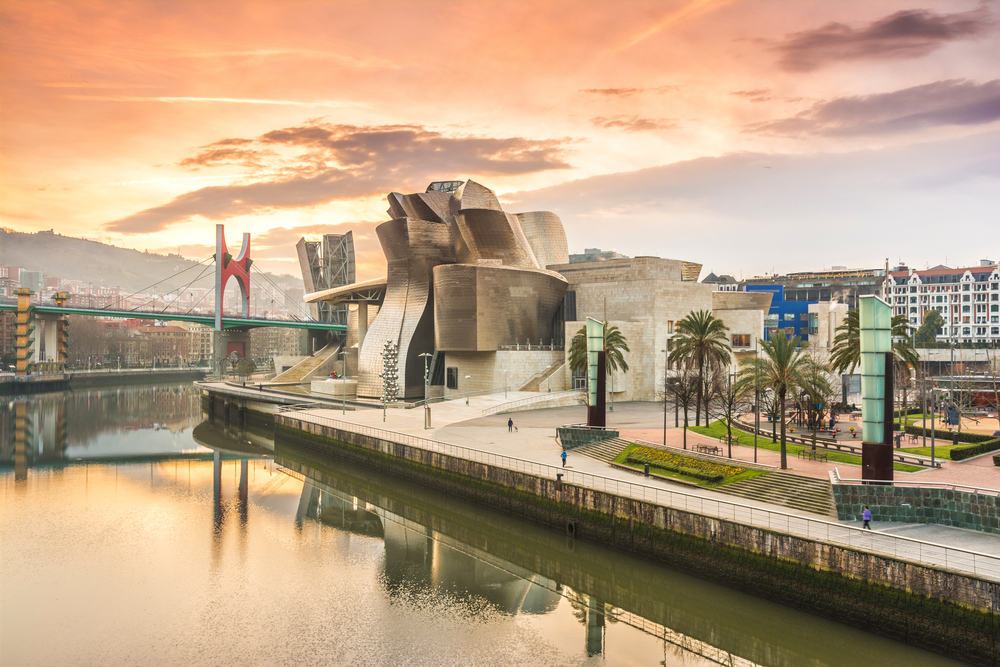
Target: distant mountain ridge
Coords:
[(104, 265)]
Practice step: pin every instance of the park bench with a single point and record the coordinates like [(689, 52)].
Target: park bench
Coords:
[(812, 455), (707, 449)]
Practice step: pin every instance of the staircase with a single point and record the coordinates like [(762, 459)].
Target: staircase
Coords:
[(535, 383), (605, 450), (808, 494), (303, 371)]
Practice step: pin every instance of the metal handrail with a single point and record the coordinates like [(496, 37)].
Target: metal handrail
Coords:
[(452, 397), (541, 398), (897, 546), (892, 482)]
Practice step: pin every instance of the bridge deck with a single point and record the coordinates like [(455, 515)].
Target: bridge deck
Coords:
[(208, 320)]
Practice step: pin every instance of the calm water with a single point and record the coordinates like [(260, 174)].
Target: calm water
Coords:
[(129, 536)]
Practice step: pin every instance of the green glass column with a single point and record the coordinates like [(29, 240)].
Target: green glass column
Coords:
[(596, 373), (875, 319)]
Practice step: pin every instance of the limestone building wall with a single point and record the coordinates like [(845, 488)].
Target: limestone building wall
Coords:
[(486, 369)]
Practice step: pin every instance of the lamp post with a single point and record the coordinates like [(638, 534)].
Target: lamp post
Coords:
[(756, 405), (343, 382), (467, 377), (505, 384), (666, 365), (426, 357)]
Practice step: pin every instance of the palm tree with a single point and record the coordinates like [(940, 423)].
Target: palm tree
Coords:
[(845, 355), (614, 346), (701, 340), (786, 368)]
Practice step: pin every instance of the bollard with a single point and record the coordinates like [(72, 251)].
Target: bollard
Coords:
[(645, 470), (559, 477)]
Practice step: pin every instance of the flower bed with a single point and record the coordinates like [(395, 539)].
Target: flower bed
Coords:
[(708, 471)]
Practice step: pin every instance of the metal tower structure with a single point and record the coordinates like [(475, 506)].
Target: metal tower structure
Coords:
[(326, 264)]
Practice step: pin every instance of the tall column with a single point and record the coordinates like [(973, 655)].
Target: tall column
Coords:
[(875, 319), (362, 322), (24, 331)]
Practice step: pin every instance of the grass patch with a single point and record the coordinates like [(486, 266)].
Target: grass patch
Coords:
[(941, 451), (623, 459), (717, 429)]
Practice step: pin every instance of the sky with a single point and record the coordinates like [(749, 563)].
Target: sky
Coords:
[(752, 137)]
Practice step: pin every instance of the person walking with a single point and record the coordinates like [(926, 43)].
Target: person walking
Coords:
[(510, 425), (563, 457), (867, 516)]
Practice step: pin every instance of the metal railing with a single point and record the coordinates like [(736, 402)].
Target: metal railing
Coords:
[(947, 485), (929, 553), (453, 397), (530, 400)]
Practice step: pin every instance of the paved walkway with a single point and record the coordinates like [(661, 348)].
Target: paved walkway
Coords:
[(534, 440)]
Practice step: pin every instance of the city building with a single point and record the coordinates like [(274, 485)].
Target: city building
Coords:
[(968, 300), (723, 283), (835, 284), (595, 255)]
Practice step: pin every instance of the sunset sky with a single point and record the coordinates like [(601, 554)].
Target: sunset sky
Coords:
[(748, 136)]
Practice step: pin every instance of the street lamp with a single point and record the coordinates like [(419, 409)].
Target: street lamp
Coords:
[(505, 384), (426, 356), (666, 366), (343, 382), (467, 393)]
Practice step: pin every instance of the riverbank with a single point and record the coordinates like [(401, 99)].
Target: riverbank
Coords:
[(13, 385)]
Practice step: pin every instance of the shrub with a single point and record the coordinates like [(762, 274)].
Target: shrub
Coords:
[(947, 435), (996, 459), (708, 471), (968, 451)]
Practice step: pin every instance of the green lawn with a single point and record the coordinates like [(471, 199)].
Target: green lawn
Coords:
[(749, 474), (941, 450), (717, 429)]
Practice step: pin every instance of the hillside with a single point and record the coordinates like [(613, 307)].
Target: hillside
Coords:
[(101, 264)]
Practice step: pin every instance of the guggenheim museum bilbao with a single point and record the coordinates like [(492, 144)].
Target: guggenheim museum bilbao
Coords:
[(485, 299)]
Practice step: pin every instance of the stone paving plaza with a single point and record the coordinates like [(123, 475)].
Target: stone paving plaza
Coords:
[(456, 423)]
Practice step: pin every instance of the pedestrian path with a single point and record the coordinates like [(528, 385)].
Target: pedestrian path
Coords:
[(533, 447)]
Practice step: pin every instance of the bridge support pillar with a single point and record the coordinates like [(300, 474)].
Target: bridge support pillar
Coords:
[(25, 343)]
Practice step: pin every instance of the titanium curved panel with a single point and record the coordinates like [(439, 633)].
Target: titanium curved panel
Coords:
[(491, 235), (481, 307), (413, 248), (546, 237)]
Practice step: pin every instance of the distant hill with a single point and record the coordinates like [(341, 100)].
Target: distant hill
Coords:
[(101, 264)]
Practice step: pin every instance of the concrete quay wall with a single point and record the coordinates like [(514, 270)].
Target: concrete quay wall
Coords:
[(946, 507), (945, 611)]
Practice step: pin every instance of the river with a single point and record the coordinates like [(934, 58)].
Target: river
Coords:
[(134, 533)]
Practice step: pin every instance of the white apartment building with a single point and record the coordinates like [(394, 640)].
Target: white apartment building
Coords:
[(968, 300)]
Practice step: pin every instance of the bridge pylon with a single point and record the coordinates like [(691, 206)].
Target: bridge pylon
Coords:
[(226, 267)]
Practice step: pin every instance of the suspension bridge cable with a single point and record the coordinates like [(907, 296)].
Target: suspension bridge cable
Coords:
[(283, 293), (181, 291), (212, 258)]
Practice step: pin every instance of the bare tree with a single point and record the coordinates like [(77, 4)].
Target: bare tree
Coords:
[(730, 398), (683, 388)]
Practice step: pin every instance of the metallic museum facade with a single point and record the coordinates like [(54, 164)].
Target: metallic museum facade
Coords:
[(464, 276)]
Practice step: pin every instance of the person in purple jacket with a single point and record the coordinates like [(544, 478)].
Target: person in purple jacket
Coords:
[(867, 516)]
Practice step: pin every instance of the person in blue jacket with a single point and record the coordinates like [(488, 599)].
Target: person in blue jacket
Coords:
[(867, 516)]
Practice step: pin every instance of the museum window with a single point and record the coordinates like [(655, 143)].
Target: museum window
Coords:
[(741, 340), (452, 377), (670, 326)]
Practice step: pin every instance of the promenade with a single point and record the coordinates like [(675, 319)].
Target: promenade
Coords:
[(533, 445)]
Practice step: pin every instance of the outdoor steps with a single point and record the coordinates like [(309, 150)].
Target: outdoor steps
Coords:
[(535, 383), (605, 450), (798, 492), (305, 369)]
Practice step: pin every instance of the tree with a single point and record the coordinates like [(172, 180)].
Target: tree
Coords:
[(927, 333), (787, 369), (614, 346), (845, 355), (682, 388), (730, 399), (701, 341)]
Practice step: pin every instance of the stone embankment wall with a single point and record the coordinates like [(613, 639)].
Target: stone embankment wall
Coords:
[(243, 413), (944, 611), (946, 507)]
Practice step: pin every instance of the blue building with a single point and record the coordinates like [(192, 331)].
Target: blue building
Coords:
[(789, 317)]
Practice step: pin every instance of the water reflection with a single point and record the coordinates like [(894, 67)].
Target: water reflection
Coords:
[(120, 422), (248, 552)]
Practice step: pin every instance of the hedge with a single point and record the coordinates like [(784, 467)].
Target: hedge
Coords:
[(996, 459), (968, 451), (964, 436)]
